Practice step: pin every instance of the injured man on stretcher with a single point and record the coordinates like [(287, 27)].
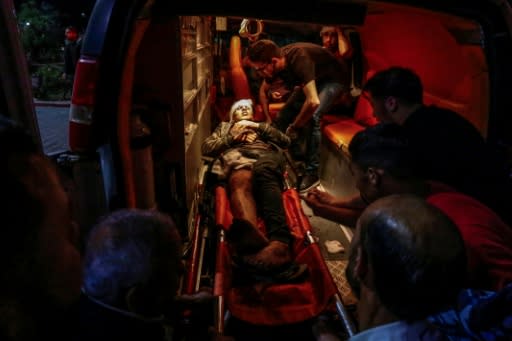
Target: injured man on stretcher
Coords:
[(249, 156)]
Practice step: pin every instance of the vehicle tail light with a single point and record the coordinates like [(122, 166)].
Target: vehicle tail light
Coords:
[(82, 104)]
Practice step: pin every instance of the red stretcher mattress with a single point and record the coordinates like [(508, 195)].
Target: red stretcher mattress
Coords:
[(273, 304)]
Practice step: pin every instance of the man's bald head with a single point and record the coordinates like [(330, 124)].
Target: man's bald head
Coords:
[(416, 253)]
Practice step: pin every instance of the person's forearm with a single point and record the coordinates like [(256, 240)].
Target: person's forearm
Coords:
[(355, 202), (216, 143), (341, 215), (305, 114), (310, 105), (262, 95), (344, 47), (274, 135), (264, 105)]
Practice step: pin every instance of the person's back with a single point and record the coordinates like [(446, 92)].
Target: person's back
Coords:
[(41, 275), (302, 56), (131, 269), (451, 150), (479, 315), (407, 261), (488, 239)]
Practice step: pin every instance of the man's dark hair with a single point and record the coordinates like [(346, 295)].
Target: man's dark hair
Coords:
[(21, 212), (263, 51), (417, 255), (399, 82), (385, 146)]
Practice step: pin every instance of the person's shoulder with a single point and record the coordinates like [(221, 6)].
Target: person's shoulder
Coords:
[(401, 330), (224, 125), (432, 109), (302, 45), (445, 119), (446, 113), (479, 314), (464, 209)]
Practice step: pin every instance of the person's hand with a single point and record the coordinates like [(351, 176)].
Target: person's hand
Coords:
[(238, 131), (247, 131), (244, 131), (292, 132), (311, 200), (321, 196), (247, 124), (249, 137), (276, 95)]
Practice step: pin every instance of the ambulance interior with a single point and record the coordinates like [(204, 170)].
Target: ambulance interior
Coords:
[(448, 51)]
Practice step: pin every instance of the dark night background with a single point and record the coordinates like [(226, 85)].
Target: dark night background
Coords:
[(69, 12), (42, 24)]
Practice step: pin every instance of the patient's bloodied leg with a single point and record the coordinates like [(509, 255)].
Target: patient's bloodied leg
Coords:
[(245, 238), (243, 233), (241, 198), (267, 186)]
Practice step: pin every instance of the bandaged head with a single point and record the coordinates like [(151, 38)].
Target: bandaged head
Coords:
[(241, 110)]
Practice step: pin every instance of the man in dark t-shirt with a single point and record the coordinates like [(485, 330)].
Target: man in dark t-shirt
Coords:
[(323, 79)]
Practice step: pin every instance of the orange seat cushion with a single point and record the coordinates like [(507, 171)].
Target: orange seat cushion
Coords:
[(341, 133)]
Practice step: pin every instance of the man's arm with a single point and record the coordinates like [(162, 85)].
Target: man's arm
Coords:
[(344, 46), (356, 203), (343, 211), (310, 105), (274, 135), (264, 87), (341, 215), (219, 141)]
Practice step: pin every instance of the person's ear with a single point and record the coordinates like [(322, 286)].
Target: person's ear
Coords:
[(275, 62), (374, 176), (361, 264), (391, 104)]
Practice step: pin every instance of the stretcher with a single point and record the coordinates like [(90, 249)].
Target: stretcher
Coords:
[(274, 304)]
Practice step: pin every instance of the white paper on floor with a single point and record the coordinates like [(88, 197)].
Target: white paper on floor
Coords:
[(334, 246)]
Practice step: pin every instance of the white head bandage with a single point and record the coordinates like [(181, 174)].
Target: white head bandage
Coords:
[(237, 104)]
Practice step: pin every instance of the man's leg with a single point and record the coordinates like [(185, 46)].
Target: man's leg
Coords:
[(286, 116), (328, 93), (244, 234), (241, 197), (267, 188)]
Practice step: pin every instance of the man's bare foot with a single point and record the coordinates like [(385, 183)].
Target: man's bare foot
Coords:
[(274, 256), (245, 238)]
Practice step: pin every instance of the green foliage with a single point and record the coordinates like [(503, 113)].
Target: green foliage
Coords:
[(41, 34), (42, 37), (52, 86)]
